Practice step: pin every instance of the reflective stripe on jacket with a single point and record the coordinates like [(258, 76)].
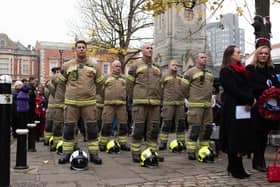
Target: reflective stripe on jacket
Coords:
[(200, 88), (143, 83), (83, 80), (115, 90), (175, 89)]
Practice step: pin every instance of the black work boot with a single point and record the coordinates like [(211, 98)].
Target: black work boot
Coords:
[(136, 158), (191, 156), (102, 147), (94, 158), (65, 158), (162, 146), (52, 148), (160, 158), (46, 142), (125, 147), (184, 146), (259, 165)]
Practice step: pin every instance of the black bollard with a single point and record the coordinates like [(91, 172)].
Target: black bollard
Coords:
[(5, 138), (32, 137), (21, 158)]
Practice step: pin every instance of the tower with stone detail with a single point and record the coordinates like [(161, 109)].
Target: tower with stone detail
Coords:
[(179, 36)]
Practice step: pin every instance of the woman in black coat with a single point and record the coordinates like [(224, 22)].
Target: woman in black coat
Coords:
[(262, 76), (237, 135)]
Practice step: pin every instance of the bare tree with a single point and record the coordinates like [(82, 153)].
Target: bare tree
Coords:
[(115, 24)]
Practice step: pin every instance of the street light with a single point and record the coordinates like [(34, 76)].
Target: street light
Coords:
[(60, 54)]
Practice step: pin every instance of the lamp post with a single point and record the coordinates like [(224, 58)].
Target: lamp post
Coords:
[(60, 55)]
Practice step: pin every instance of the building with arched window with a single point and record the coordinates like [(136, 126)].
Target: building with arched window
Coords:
[(16, 60)]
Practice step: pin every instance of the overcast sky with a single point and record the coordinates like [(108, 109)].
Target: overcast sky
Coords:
[(50, 20), (30, 20)]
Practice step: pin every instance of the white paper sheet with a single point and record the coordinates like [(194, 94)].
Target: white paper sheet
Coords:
[(241, 113)]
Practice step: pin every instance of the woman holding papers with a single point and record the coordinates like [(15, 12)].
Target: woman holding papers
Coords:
[(237, 129), (262, 76)]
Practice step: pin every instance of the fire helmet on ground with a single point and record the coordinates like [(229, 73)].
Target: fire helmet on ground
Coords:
[(112, 147), (79, 160), (205, 154), (51, 140), (176, 146), (149, 158), (59, 147)]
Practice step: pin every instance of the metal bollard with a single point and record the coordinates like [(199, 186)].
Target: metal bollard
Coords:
[(5, 138), (21, 157), (32, 137)]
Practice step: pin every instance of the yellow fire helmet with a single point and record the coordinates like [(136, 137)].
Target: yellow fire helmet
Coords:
[(59, 147), (51, 140), (149, 158), (205, 154), (112, 147), (176, 146)]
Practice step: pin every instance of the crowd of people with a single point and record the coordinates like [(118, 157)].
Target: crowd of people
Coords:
[(152, 104), (29, 105)]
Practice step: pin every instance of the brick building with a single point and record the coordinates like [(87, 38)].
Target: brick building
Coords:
[(22, 62), (16, 60), (52, 54)]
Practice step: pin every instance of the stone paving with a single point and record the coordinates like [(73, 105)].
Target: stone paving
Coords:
[(118, 170)]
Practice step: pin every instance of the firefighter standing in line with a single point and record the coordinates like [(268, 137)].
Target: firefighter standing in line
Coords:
[(175, 89), (143, 86), (58, 118), (199, 106), (83, 81), (114, 106), (50, 94)]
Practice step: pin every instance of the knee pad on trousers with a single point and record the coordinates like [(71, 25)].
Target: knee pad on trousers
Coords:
[(138, 133), (49, 126), (155, 131), (92, 130), (166, 126), (181, 125), (123, 129), (195, 129), (106, 129), (57, 128), (69, 131), (207, 133)]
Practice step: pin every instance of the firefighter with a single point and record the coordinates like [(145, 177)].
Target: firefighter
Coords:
[(83, 81), (174, 92), (58, 111), (114, 106), (199, 106), (49, 91), (143, 86)]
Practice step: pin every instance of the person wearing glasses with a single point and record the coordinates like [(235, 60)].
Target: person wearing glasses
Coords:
[(199, 107)]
